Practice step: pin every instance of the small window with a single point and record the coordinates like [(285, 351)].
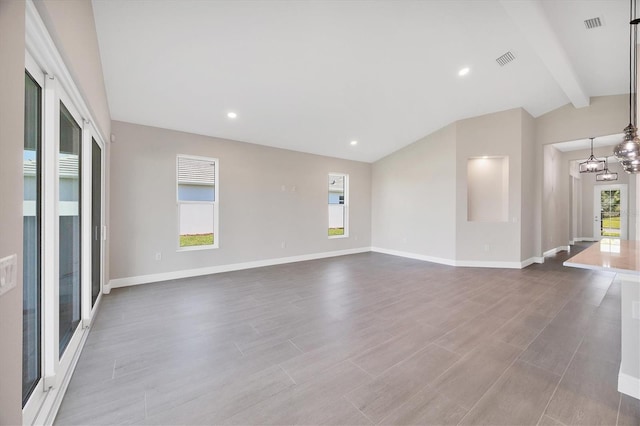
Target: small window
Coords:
[(338, 205), (197, 196)]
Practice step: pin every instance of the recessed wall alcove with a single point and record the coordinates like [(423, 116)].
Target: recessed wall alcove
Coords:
[(488, 189)]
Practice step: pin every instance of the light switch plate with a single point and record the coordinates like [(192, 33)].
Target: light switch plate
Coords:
[(8, 273)]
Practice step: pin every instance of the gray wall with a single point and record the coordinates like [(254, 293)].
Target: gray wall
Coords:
[(11, 145), (413, 206), (497, 134), (419, 201), (256, 216)]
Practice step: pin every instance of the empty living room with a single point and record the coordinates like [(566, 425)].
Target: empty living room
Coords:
[(319, 212)]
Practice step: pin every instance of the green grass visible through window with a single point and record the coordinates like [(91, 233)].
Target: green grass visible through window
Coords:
[(336, 231), (611, 222), (196, 240)]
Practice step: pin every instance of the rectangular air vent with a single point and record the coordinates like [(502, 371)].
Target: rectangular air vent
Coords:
[(505, 59), (592, 23)]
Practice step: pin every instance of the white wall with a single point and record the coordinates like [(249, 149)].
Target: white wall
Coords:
[(256, 214), (413, 205)]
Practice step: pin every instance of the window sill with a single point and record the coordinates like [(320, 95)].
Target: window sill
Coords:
[(336, 237), (197, 248)]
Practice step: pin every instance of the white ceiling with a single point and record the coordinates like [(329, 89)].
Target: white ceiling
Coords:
[(609, 140), (313, 75)]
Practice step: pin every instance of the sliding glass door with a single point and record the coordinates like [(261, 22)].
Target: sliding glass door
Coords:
[(96, 221), (32, 292), (63, 169), (69, 214)]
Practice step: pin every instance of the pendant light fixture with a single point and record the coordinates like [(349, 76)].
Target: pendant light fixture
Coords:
[(606, 175), (628, 151), (592, 165)]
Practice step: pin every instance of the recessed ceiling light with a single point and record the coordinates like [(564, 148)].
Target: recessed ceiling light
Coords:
[(464, 71), (232, 115), (354, 142)]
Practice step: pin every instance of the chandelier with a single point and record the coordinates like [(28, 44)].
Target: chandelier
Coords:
[(628, 151)]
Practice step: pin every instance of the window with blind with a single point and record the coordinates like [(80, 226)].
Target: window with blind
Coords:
[(197, 200)]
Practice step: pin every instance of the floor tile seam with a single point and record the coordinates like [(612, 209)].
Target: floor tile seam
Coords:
[(540, 368), (557, 313), (356, 407), (420, 349), (488, 390), (287, 373), (455, 329), (502, 375), (367, 350), (238, 348), (407, 400), (296, 347), (507, 322), (371, 376), (460, 355), (544, 411), (552, 418)]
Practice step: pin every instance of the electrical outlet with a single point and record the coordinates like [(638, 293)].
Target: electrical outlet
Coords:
[(158, 256), (8, 273), (283, 244)]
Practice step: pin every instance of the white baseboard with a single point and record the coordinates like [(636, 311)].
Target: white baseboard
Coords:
[(461, 263), (490, 264), (531, 260), (629, 385), (579, 239), (555, 250), (165, 276), (408, 255)]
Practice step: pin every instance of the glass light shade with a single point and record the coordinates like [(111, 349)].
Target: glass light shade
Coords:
[(631, 166), (592, 165), (629, 148), (606, 176)]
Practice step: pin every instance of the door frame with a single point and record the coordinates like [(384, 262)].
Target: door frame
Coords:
[(624, 202)]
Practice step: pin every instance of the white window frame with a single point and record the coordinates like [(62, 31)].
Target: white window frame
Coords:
[(45, 64), (345, 176), (215, 203)]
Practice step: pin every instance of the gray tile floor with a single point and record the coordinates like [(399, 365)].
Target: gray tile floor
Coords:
[(359, 339)]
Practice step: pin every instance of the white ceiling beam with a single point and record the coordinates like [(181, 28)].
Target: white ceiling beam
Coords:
[(530, 18)]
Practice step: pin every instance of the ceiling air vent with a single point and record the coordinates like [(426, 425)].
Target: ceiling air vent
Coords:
[(505, 59), (592, 23)]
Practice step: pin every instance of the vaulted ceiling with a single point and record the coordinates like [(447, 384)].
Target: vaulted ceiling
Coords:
[(313, 76)]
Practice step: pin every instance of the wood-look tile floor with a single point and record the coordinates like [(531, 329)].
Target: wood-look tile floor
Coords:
[(361, 339)]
